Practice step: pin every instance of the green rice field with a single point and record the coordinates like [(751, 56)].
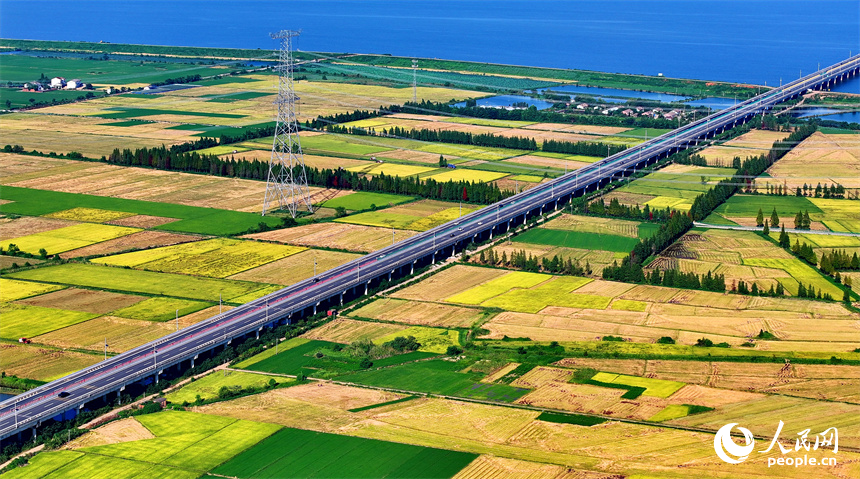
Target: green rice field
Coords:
[(28, 321), (363, 200), (309, 454), (578, 239), (161, 309)]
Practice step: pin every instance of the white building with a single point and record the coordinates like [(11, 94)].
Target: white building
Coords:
[(74, 84), (58, 82)]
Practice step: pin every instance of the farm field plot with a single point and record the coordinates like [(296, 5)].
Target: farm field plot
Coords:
[(435, 377), (29, 225), (67, 238), (34, 202), (335, 235), (752, 143), (432, 340), (613, 226), (172, 453), (89, 215), (74, 299), (346, 331), (742, 255), (296, 267), (675, 186), (278, 456), (43, 364), (11, 290), (653, 387), (597, 259), (821, 158), (560, 291), (742, 209), (497, 286), (392, 169), (462, 174), (448, 282), (217, 258), (363, 200), (135, 183), (417, 216), (839, 215), (208, 386), (134, 281), (121, 334), (161, 309), (140, 240), (420, 313), (28, 321), (338, 396), (578, 239)]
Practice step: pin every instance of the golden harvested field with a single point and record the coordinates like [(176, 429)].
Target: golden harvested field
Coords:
[(541, 376), (419, 215), (502, 468), (334, 235), (121, 334), (12, 289), (821, 158), (116, 432), (89, 301), (753, 143), (605, 449), (500, 373), (217, 258), (136, 183), (346, 331), (451, 281), (30, 225), (420, 313), (295, 268), (134, 241), (737, 380), (583, 129), (589, 224), (10, 261), (142, 221), (43, 364), (338, 396)]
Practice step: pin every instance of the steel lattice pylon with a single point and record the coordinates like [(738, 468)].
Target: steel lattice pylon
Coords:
[(287, 182)]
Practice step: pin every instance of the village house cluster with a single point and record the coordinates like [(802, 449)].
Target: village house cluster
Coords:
[(57, 83)]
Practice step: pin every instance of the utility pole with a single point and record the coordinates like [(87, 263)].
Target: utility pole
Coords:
[(287, 184), (220, 303), (415, 81), (177, 320), (315, 265), (105, 349)]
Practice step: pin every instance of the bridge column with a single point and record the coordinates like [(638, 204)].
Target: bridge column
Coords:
[(341, 298), (412, 268), (366, 285), (317, 304)]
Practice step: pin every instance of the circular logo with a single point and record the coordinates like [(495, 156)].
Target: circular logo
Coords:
[(725, 446)]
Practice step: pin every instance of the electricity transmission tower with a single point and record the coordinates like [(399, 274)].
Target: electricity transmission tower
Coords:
[(287, 183), (414, 81)]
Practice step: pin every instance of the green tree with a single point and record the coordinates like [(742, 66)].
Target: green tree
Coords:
[(806, 222), (759, 219), (774, 218), (784, 240), (766, 230), (798, 220)]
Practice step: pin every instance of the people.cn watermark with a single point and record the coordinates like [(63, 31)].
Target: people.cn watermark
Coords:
[(733, 453)]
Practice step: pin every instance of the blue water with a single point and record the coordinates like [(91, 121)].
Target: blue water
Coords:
[(752, 41), (827, 114), (509, 100), (714, 103), (4, 396), (596, 91)]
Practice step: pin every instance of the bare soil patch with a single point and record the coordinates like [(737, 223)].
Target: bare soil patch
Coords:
[(134, 241), (124, 430), (98, 302)]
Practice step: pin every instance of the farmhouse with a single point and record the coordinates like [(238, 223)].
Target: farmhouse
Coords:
[(58, 82), (74, 84)]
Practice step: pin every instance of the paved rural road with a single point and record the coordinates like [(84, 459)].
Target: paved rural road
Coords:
[(787, 230), (32, 407)]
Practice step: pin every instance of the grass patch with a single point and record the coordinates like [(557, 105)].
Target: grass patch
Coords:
[(89, 215), (433, 340), (363, 200), (577, 419), (166, 284), (32, 202), (160, 309), (335, 144), (301, 453), (748, 206), (121, 113), (231, 97)]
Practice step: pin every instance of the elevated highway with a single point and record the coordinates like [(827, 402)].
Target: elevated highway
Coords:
[(20, 416)]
